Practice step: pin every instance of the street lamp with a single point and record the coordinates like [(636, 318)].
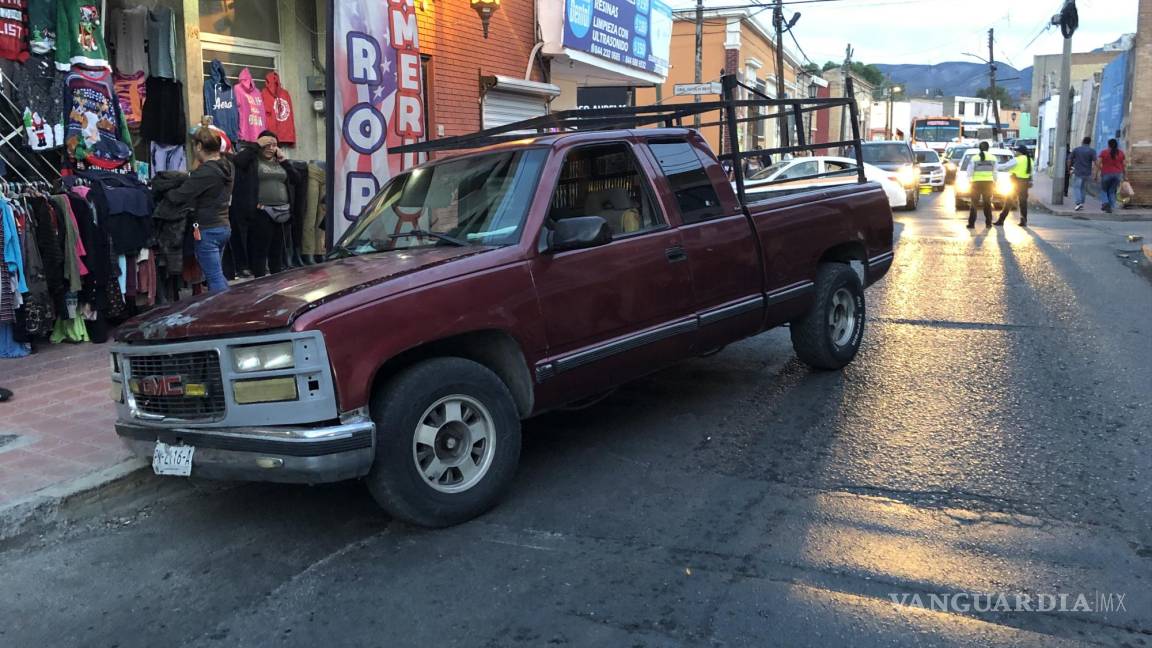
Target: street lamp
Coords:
[(485, 8)]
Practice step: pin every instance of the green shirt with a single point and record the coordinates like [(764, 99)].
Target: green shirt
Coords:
[(80, 35)]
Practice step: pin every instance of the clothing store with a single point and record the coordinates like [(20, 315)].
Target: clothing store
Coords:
[(151, 151)]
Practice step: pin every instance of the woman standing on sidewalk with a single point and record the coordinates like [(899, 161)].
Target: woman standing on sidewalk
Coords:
[(1110, 171), (208, 190)]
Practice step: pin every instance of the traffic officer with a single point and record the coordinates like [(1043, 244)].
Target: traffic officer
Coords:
[(982, 172), (1022, 179)]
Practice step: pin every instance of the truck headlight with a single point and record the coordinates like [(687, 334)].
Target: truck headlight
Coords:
[(963, 185), (264, 390), (907, 176), (263, 357)]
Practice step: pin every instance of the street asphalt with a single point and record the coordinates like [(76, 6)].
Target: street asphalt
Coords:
[(991, 438)]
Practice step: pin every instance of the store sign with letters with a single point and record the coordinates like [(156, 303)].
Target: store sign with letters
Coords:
[(377, 100), (636, 33)]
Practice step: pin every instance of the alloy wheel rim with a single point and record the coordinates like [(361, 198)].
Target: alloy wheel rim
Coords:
[(454, 443), (842, 317)]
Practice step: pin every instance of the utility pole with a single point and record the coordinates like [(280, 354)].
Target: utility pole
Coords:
[(778, 23), (992, 85), (1064, 119), (847, 70), (699, 54)]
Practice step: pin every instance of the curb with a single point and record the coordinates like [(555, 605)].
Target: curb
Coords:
[(1137, 215), (45, 505)]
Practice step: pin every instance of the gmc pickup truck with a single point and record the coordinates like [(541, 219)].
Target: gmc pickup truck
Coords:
[(478, 290)]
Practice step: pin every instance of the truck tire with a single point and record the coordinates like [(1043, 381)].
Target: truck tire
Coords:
[(829, 335), (447, 442)]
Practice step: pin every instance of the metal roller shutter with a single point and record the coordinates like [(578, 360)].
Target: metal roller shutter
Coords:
[(502, 108)]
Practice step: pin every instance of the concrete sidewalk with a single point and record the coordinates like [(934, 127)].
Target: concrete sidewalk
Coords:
[(56, 433), (1040, 199)]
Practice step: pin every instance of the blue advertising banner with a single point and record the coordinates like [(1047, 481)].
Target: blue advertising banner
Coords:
[(1113, 100), (636, 33)]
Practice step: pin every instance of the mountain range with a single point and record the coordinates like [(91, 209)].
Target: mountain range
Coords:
[(961, 78)]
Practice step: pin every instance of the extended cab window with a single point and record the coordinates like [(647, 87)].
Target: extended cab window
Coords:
[(605, 180), (694, 192)]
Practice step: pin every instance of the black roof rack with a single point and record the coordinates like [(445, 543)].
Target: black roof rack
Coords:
[(673, 116)]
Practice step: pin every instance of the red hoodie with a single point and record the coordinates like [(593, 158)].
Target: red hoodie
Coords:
[(279, 115)]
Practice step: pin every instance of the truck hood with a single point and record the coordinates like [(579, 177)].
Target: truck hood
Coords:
[(274, 302)]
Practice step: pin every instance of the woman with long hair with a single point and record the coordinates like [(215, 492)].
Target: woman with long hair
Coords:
[(1110, 170)]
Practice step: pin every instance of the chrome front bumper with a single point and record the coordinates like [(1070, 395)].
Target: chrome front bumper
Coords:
[(291, 454)]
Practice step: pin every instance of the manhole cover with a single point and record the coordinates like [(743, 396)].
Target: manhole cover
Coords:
[(5, 439)]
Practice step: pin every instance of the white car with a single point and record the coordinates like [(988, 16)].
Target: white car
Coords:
[(931, 169), (796, 173)]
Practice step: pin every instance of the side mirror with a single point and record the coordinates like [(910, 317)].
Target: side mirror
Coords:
[(579, 232)]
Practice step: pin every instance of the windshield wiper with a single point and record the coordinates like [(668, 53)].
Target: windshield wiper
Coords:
[(427, 234)]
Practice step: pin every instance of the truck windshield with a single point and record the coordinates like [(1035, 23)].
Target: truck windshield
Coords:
[(886, 153), (474, 200)]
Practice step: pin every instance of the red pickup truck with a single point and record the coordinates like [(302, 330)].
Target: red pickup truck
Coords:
[(479, 290)]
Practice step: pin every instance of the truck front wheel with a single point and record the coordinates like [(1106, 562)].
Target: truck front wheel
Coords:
[(447, 442), (829, 335)]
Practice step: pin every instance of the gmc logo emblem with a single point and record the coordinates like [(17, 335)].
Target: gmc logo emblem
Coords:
[(162, 386)]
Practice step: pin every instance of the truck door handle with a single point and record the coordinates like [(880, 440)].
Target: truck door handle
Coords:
[(676, 254)]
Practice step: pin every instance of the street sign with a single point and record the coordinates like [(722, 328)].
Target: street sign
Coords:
[(690, 89)]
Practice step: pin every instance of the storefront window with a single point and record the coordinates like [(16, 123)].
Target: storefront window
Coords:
[(235, 59), (247, 19)]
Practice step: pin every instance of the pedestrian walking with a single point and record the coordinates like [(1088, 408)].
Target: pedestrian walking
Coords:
[(982, 171), (1110, 168), (1022, 179), (1081, 162)]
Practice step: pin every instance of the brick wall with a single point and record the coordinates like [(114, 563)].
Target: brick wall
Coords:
[(452, 35), (1140, 132)]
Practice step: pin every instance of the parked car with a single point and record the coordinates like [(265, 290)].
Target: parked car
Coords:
[(543, 271), (950, 158), (796, 174), (1005, 189), (931, 169), (897, 159)]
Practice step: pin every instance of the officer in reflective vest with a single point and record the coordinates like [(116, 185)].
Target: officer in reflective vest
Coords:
[(982, 171), (1022, 178)]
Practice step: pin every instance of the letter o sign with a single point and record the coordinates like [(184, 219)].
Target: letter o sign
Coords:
[(365, 129)]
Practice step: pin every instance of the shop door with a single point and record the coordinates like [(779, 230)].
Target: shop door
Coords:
[(502, 108)]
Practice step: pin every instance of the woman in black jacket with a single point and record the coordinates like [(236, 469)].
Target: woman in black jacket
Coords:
[(263, 193), (208, 190)]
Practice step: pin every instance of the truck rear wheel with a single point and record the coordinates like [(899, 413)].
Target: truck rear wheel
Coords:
[(829, 336), (447, 442)]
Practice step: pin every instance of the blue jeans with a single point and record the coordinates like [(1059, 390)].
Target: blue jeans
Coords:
[(211, 245), (1078, 184), (1109, 183)]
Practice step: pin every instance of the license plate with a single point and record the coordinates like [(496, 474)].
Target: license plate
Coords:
[(172, 459)]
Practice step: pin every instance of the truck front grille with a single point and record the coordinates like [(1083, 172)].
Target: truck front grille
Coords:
[(185, 386)]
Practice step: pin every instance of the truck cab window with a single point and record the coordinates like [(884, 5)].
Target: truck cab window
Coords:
[(605, 181), (694, 192)]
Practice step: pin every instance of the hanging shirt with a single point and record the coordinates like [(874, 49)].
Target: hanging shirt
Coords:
[(250, 106), (163, 113), (131, 92), (278, 113), (42, 25), (127, 31), (40, 93), (14, 30), (168, 158), (220, 101), (94, 133), (80, 35), (162, 42)]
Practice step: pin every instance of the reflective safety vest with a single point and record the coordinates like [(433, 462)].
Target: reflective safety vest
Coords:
[(984, 171), (1023, 168)]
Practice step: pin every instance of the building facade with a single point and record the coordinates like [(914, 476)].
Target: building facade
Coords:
[(733, 43), (1046, 72), (838, 116)]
